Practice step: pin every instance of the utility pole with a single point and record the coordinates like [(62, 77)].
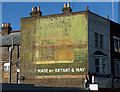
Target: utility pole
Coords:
[(113, 9), (10, 59)]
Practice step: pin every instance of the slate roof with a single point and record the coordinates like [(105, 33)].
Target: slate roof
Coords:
[(6, 40)]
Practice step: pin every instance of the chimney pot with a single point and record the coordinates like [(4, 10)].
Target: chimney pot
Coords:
[(8, 24), (68, 5), (32, 9), (35, 8), (38, 8), (3, 24), (65, 5), (87, 8), (107, 16)]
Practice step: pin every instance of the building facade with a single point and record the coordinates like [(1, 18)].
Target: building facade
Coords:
[(115, 52), (64, 49), (10, 52), (99, 49), (56, 51), (72, 49)]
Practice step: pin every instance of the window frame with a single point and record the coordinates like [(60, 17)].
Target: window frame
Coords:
[(101, 41), (101, 67), (96, 39), (116, 44), (6, 67), (118, 63)]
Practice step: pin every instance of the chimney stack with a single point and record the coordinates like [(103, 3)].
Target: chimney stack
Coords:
[(35, 8), (36, 12), (5, 29), (67, 9)]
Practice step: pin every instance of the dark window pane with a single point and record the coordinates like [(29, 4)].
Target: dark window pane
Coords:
[(117, 68), (97, 69), (101, 41), (119, 46), (96, 39), (103, 62), (115, 44), (96, 61), (103, 69)]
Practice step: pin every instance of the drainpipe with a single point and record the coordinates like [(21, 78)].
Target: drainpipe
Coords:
[(10, 58)]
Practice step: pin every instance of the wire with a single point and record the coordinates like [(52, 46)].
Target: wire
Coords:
[(113, 9)]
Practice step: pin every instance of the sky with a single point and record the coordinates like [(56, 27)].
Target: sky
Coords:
[(12, 12)]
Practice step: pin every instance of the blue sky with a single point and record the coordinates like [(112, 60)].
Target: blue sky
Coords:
[(13, 11)]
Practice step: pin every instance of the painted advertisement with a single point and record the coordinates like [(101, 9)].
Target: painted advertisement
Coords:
[(59, 46)]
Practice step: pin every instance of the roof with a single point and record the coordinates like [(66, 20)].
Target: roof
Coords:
[(6, 40), (15, 31), (67, 14), (56, 15), (115, 25)]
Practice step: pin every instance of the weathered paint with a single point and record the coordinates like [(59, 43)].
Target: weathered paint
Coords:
[(54, 43)]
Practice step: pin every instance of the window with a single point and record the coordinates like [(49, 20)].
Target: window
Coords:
[(117, 44), (101, 41), (6, 67), (96, 39), (97, 64), (117, 67), (100, 64)]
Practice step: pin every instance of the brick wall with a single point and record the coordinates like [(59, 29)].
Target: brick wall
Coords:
[(65, 34), (57, 80), (5, 59)]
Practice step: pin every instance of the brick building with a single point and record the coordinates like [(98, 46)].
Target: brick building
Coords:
[(64, 49), (9, 53), (115, 52)]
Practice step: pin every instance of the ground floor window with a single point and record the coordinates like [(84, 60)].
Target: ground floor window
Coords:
[(117, 67), (116, 44), (100, 64), (6, 67)]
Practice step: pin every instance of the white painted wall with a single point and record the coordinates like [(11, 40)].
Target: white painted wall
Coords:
[(101, 26)]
